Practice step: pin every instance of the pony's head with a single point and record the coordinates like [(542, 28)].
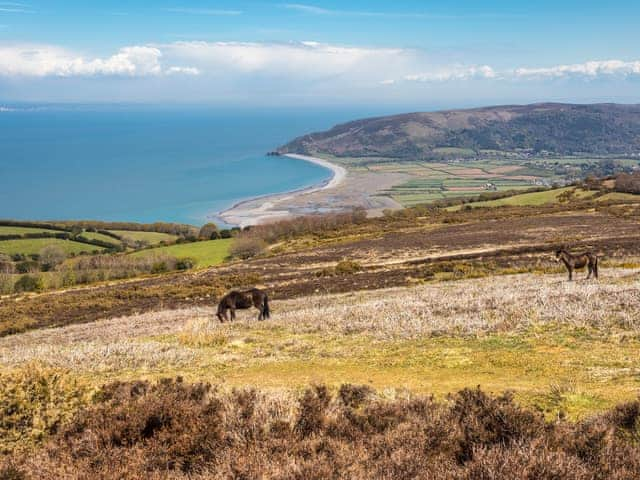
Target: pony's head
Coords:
[(559, 252)]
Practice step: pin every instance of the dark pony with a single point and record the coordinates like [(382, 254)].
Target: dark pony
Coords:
[(235, 300), (573, 262)]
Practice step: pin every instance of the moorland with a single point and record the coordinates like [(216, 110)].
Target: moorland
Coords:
[(391, 345)]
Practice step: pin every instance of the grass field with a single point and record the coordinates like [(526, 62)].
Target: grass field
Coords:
[(11, 230), (34, 245), (532, 199), (562, 347), (152, 238), (101, 237), (436, 181), (206, 254), (618, 196)]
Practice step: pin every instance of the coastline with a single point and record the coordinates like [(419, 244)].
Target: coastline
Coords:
[(259, 209)]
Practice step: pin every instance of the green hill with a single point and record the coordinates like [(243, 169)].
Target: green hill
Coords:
[(550, 128)]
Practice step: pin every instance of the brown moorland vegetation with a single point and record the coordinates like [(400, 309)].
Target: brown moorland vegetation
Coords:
[(413, 245), (171, 429)]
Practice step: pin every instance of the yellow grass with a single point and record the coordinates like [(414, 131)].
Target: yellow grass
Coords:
[(570, 347)]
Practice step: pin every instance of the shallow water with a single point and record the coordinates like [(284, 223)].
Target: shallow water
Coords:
[(143, 163)]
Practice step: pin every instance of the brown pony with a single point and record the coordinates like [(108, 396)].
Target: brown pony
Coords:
[(235, 300), (573, 262)]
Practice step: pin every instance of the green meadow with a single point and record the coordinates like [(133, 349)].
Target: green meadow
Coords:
[(206, 254)]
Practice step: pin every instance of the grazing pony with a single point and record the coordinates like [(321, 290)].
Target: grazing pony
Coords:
[(573, 262), (243, 300)]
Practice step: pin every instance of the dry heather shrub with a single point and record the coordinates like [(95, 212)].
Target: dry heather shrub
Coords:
[(174, 430), (247, 247)]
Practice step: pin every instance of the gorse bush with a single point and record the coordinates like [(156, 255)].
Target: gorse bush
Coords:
[(186, 263), (29, 283), (34, 402), (174, 430)]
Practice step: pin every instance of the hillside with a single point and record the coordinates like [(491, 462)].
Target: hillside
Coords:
[(552, 128), (370, 318)]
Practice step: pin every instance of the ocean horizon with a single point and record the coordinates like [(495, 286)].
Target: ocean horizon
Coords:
[(149, 163)]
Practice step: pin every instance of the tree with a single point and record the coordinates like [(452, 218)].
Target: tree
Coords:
[(51, 256), (629, 183), (209, 231)]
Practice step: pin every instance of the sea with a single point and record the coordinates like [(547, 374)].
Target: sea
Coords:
[(147, 163)]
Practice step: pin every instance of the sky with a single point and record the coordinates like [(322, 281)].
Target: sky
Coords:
[(277, 53)]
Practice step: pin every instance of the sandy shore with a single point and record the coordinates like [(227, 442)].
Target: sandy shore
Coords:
[(339, 173), (263, 209)]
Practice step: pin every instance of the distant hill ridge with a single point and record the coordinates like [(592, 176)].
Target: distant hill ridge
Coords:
[(564, 129)]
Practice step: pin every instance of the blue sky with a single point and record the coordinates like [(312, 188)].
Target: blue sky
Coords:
[(323, 52)]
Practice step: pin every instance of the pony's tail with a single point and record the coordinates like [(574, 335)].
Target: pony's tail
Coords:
[(266, 312)]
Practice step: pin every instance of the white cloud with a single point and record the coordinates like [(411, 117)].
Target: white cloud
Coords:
[(47, 60), (182, 70), (590, 69), (455, 72), (283, 67), (304, 59)]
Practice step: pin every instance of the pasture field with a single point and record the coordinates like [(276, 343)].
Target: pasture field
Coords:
[(206, 254), (34, 245), (153, 238), (11, 230), (101, 237), (463, 177), (534, 198), (436, 181), (616, 196)]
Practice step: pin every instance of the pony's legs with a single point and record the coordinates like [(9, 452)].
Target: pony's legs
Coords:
[(222, 315), (590, 272), (570, 274), (233, 313)]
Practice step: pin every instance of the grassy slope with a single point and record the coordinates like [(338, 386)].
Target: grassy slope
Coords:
[(530, 199), (212, 252), (101, 237), (618, 196), (559, 353), (34, 245), (536, 198), (151, 237), (11, 230)]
